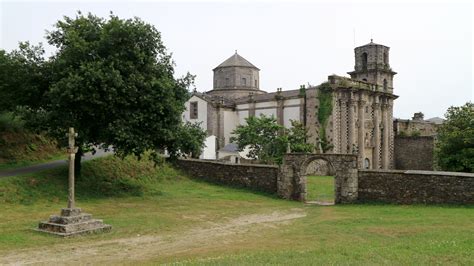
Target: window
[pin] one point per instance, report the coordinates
(366, 163)
(385, 58)
(384, 84)
(364, 61)
(256, 84)
(193, 110)
(227, 81)
(244, 82)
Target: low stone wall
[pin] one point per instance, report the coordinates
(254, 176)
(407, 187)
(414, 153)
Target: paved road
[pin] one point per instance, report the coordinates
(49, 165)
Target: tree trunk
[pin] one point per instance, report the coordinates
(77, 163)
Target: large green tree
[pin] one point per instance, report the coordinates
(24, 77)
(113, 80)
(455, 143)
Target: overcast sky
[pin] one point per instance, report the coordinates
(293, 43)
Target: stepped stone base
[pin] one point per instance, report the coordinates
(72, 222)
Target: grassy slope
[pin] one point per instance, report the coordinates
(168, 203)
(18, 147)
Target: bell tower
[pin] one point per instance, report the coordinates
(372, 66)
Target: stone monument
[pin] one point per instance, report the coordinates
(72, 221)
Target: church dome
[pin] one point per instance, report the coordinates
(236, 61)
(236, 77)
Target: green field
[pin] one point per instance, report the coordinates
(161, 216)
(320, 188)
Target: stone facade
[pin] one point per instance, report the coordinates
(362, 106)
(410, 187)
(252, 176)
(417, 126)
(414, 153)
(372, 65)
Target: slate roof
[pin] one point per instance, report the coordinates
(231, 147)
(236, 61)
(372, 43)
(213, 98)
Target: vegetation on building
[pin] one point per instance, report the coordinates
(325, 98)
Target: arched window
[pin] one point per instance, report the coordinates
(366, 163)
(385, 58)
(385, 84)
(364, 61)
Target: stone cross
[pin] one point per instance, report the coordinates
(72, 155)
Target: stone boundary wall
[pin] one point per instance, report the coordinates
(408, 187)
(414, 153)
(254, 176)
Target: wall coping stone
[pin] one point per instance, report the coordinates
(414, 137)
(421, 172)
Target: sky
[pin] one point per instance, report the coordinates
(293, 43)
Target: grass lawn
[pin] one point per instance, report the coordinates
(320, 188)
(161, 216)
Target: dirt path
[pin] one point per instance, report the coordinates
(140, 248)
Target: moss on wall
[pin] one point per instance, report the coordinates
(324, 112)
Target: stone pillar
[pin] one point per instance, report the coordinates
(279, 100)
(343, 120)
(72, 221)
(361, 133)
(375, 152)
(352, 129)
(220, 125)
(385, 137)
(251, 105)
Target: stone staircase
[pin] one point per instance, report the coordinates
(73, 222)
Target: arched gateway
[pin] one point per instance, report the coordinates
(296, 166)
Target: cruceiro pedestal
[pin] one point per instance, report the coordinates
(72, 221)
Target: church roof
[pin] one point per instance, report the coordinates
(436, 120)
(236, 61)
(231, 147)
(372, 43)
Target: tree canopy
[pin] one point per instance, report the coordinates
(267, 141)
(455, 143)
(24, 77)
(113, 80)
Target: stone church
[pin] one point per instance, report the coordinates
(361, 107)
